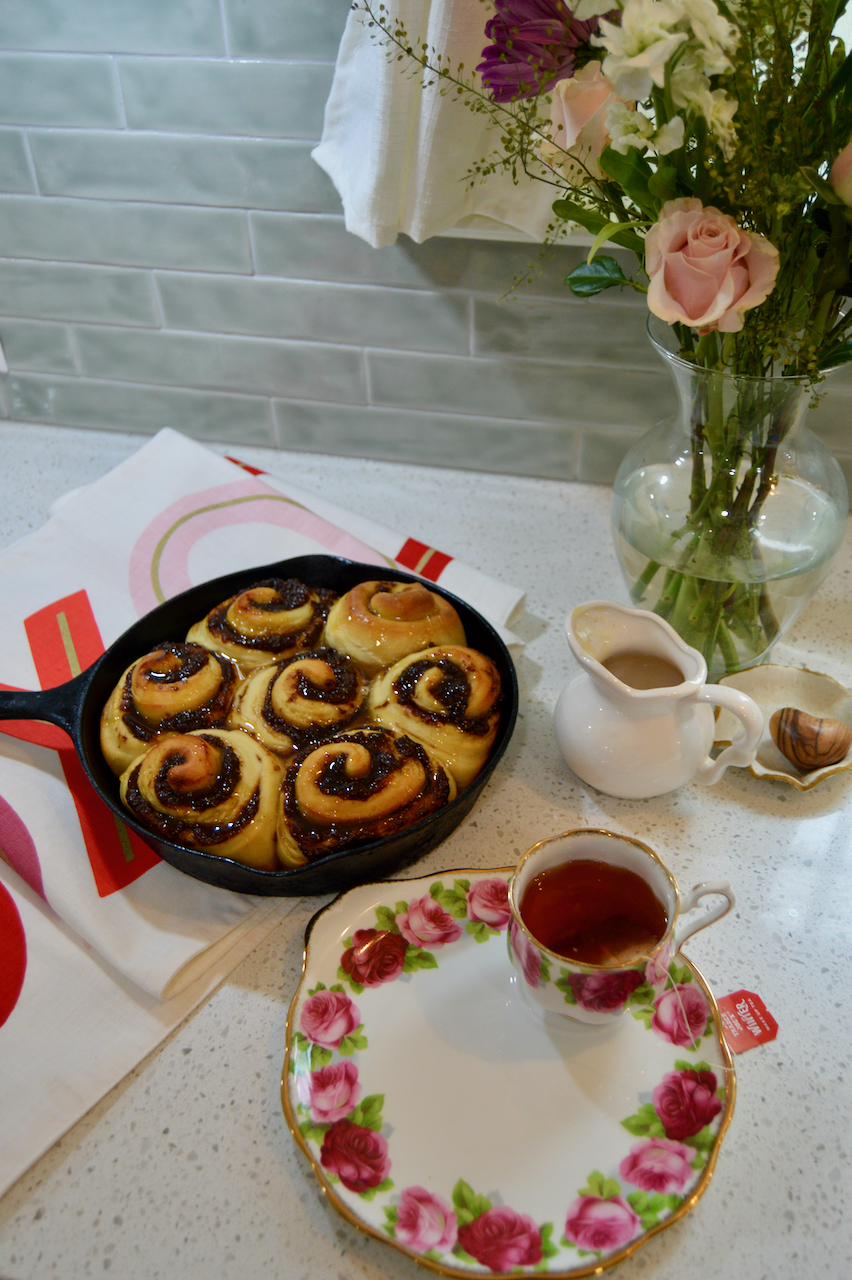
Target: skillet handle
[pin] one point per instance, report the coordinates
(60, 705)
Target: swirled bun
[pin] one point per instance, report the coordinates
(355, 788)
(176, 687)
(377, 623)
(448, 698)
(299, 701)
(213, 790)
(273, 619)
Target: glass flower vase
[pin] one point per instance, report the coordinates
(726, 517)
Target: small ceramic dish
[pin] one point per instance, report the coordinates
(773, 687)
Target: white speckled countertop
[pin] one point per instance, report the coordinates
(187, 1167)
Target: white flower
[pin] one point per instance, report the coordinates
(638, 50)
(713, 34)
(628, 128)
(655, 33)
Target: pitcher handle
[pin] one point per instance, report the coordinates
(743, 749)
(690, 900)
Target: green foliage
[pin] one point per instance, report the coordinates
(467, 1204)
(453, 901)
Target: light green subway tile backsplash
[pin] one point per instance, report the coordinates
(58, 89)
(322, 312)
(199, 95)
(519, 389)
(113, 26)
(15, 174)
(444, 440)
(115, 406)
(241, 172)
(60, 291)
(142, 235)
(285, 28)
(170, 254)
(37, 347)
(297, 369)
(319, 247)
(562, 329)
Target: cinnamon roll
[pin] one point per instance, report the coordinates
(377, 623)
(447, 698)
(174, 688)
(273, 619)
(357, 787)
(299, 701)
(211, 790)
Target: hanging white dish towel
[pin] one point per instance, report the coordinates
(103, 947)
(398, 153)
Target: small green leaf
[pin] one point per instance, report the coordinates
(591, 278)
(319, 987)
(467, 1203)
(417, 959)
(819, 184)
(480, 931)
(664, 184)
(313, 1132)
(368, 1113)
(320, 1057)
(356, 986)
(595, 1185)
(386, 918)
(372, 1192)
(645, 1123)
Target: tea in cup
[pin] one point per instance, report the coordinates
(596, 922)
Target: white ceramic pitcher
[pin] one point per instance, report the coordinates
(639, 742)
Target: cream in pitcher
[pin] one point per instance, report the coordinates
(638, 720)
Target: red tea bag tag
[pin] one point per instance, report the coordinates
(746, 1021)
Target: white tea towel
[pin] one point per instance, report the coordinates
(399, 153)
(104, 948)
(70, 1027)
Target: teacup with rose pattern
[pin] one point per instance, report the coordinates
(596, 992)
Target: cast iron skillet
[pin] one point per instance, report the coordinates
(76, 707)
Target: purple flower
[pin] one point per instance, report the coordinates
(535, 44)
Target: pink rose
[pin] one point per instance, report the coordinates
(658, 1164)
(596, 1224)
(357, 1155)
(605, 992)
(427, 924)
(703, 269)
(502, 1239)
(331, 1092)
(680, 1015)
(376, 956)
(686, 1101)
(657, 968)
(488, 901)
(425, 1221)
(527, 955)
(578, 114)
(328, 1017)
(840, 175)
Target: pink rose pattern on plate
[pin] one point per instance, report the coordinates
(673, 1132)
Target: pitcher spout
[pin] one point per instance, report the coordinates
(632, 648)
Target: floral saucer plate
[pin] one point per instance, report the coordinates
(446, 1114)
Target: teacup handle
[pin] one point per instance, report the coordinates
(743, 749)
(692, 899)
